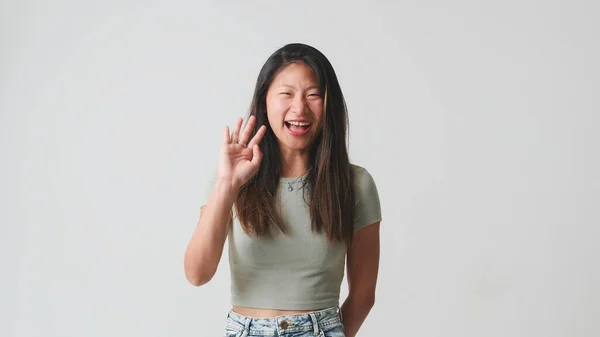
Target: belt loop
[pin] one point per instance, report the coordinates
(246, 327)
(315, 322)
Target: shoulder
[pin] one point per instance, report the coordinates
(367, 204)
(363, 179)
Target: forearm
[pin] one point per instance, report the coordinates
(205, 249)
(354, 312)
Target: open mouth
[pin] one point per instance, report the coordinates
(297, 128)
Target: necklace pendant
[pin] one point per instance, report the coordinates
(290, 188)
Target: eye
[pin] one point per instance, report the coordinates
(285, 93)
(314, 95)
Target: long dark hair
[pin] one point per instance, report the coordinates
(329, 180)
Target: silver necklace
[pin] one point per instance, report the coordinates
(290, 187)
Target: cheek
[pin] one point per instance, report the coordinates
(275, 118)
(317, 110)
(275, 111)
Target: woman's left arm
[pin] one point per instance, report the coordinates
(362, 268)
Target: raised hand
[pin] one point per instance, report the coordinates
(240, 159)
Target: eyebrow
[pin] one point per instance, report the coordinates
(292, 87)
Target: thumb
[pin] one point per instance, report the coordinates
(256, 155)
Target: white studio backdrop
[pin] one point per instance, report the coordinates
(478, 121)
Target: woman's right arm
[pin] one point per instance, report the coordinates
(238, 162)
(205, 249)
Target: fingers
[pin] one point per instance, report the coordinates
(243, 139)
(256, 155)
(236, 130)
(258, 136)
(226, 137)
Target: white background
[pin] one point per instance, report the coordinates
(478, 120)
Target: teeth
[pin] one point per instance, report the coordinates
(299, 123)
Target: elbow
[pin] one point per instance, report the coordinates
(370, 301)
(197, 274)
(197, 280)
(367, 301)
(198, 277)
(364, 300)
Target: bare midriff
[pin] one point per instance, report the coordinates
(266, 313)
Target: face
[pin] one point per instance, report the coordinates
(295, 106)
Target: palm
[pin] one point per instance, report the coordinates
(238, 161)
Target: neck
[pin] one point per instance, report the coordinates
(294, 163)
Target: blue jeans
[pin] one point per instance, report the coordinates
(322, 323)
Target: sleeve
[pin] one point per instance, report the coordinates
(368, 207)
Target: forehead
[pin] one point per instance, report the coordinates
(298, 73)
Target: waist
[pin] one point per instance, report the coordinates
(267, 313)
(287, 323)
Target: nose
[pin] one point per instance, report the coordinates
(299, 105)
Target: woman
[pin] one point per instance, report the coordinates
(292, 207)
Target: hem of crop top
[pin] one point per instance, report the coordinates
(274, 304)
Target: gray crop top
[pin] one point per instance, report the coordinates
(301, 270)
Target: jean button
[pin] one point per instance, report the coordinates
(284, 324)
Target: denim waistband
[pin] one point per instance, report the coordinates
(310, 321)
